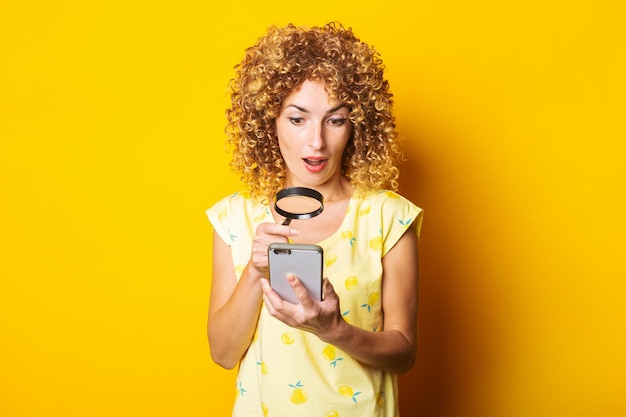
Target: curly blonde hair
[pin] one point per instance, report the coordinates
(277, 65)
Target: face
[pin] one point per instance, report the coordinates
(312, 133)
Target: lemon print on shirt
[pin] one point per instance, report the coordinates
(222, 214)
(364, 211)
(372, 299)
(260, 216)
(245, 194)
(298, 395)
(348, 392)
(263, 366)
(405, 222)
(330, 354)
(376, 243)
(332, 414)
(330, 260)
(345, 316)
(240, 389)
(347, 235)
(287, 338)
(264, 408)
(351, 283)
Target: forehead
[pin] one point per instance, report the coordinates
(313, 92)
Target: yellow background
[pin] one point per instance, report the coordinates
(111, 147)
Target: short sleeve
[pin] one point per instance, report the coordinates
(218, 215)
(398, 214)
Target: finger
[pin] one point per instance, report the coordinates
(276, 229)
(268, 304)
(328, 289)
(269, 292)
(275, 305)
(260, 260)
(267, 297)
(301, 292)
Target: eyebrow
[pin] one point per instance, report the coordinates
(334, 109)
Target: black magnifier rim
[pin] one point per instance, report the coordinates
(299, 192)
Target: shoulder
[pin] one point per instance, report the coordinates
(238, 199)
(236, 215)
(236, 204)
(389, 201)
(395, 211)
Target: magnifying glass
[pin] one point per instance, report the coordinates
(298, 203)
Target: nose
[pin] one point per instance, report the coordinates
(318, 142)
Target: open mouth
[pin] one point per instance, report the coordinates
(314, 165)
(315, 162)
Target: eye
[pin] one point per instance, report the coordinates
(296, 120)
(337, 121)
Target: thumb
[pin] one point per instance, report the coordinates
(328, 289)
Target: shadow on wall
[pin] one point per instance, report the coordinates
(451, 353)
(423, 389)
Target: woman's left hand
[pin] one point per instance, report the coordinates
(322, 318)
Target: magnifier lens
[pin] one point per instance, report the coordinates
(298, 203)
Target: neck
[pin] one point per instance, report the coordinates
(337, 190)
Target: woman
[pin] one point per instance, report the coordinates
(311, 108)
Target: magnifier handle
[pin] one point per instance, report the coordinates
(286, 221)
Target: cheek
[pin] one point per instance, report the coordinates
(286, 149)
(283, 135)
(287, 142)
(342, 143)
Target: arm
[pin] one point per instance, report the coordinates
(235, 304)
(394, 349)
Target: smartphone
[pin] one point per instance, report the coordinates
(302, 260)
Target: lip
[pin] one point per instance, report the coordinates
(314, 164)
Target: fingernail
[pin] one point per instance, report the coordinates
(294, 232)
(291, 278)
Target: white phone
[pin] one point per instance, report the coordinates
(302, 260)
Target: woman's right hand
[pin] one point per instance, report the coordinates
(267, 233)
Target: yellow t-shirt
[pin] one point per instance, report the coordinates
(289, 372)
